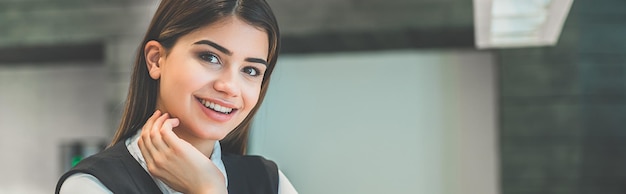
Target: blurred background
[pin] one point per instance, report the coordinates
(369, 96)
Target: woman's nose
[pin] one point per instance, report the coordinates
(226, 83)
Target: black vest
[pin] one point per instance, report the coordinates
(121, 173)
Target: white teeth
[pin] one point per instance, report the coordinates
(216, 107)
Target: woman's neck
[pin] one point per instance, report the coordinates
(203, 145)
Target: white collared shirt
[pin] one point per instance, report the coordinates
(86, 183)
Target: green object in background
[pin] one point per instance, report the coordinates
(75, 160)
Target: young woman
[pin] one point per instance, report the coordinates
(201, 74)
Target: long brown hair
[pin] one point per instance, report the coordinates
(176, 18)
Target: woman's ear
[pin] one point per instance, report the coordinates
(154, 52)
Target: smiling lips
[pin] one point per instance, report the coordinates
(216, 107)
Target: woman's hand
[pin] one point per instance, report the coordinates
(176, 162)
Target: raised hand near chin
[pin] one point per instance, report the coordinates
(176, 162)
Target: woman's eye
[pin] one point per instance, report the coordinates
(209, 57)
(251, 71)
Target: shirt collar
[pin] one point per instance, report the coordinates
(133, 148)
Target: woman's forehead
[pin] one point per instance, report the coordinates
(232, 34)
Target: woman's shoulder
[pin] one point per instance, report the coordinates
(251, 164)
(254, 164)
(247, 158)
(114, 168)
(240, 169)
(83, 183)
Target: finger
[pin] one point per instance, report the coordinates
(145, 130)
(147, 157)
(152, 118)
(155, 133)
(144, 142)
(171, 139)
(167, 128)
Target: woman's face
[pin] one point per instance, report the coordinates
(211, 78)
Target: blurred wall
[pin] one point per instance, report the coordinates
(48, 105)
(43, 108)
(563, 108)
(408, 121)
(117, 25)
(435, 134)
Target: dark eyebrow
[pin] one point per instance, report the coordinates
(216, 46)
(228, 52)
(256, 60)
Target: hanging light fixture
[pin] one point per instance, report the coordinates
(519, 23)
